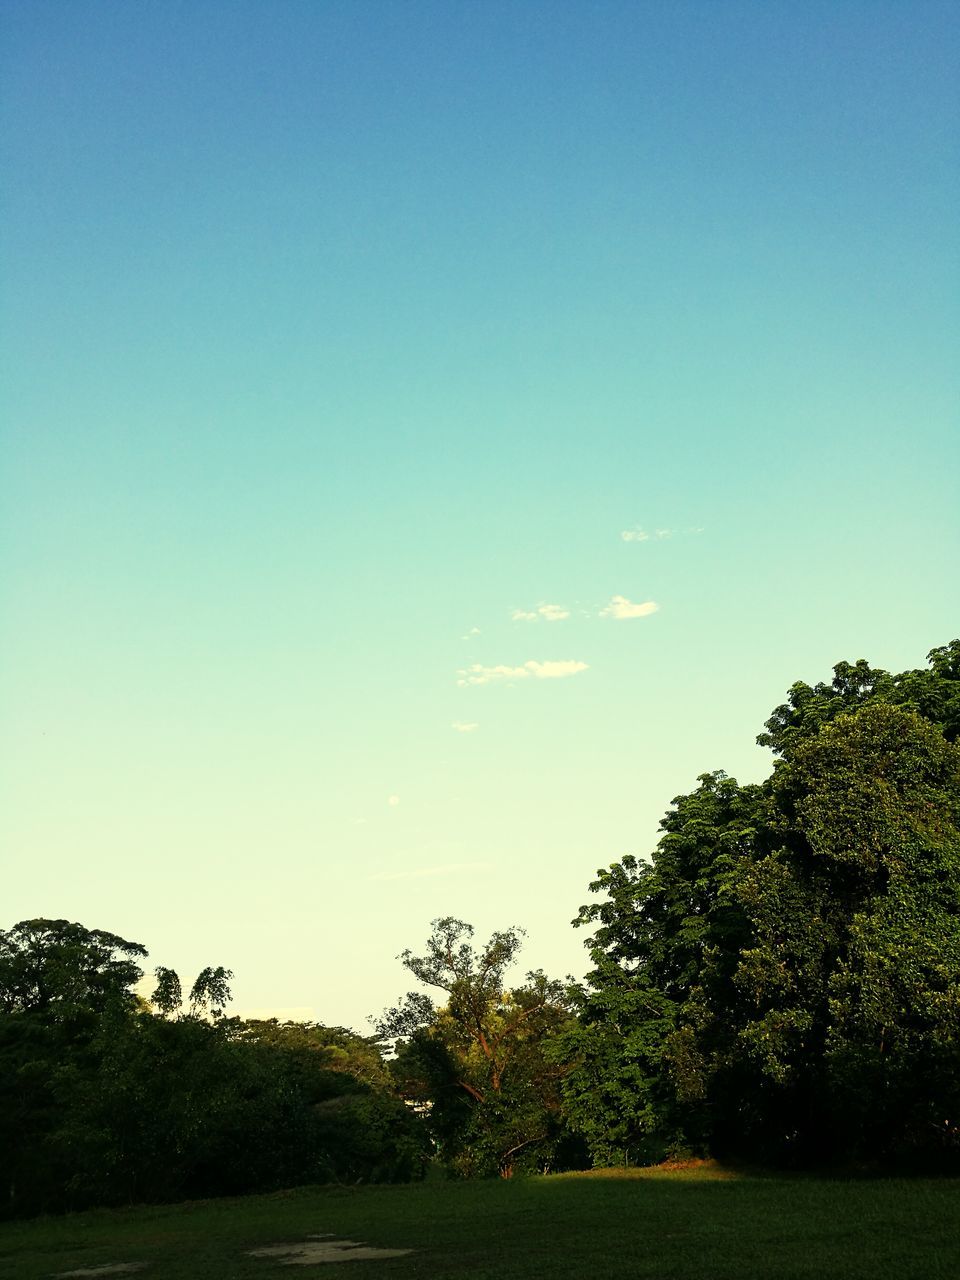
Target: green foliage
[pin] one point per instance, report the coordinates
(59, 971)
(210, 992)
(167, 996)
(479, 1067)
(933, 693)
(59, 982)
(666, 937)
(103, 1102)
(779, 981)
(319, 1048)
(855, 920)
(877, 802)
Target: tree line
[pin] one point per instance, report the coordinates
(106, 1098)
(778, 982)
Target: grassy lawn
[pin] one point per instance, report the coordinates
(696, 1224)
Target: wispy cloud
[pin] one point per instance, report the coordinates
(393, 801)
(465, 728)
(479, 674)
(548, 612)
(622, 608)
(420, 873)
(555, 670)
(636, 534)
(474, 631)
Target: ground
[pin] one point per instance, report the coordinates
(695, 1223)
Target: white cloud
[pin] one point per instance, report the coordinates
(393, 801)
(621, 607)
(464, 728)
(474, 631)
(419, 873)
(554, 670)
(639, 534)
(478, 674)
(548, 612)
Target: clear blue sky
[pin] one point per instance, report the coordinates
(336, 337)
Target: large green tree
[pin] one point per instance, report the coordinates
(59, 984)
(57, 971)
(105, 1100)
(478, 1064)
(779, 980)
(665, 931)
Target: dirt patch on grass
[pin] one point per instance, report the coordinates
(319, 1249)
(694, 1170)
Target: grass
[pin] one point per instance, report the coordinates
(694, 1223)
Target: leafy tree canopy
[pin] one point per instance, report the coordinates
(57, 968)
(933, 693)
(779, 979)
(104, 1101)
(478, 1064)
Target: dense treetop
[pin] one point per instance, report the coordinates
(779, 980)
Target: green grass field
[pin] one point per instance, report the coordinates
(693, 1224)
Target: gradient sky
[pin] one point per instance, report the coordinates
(337, 337)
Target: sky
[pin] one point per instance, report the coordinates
(432, 434)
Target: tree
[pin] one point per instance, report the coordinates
(934, 694)
(478, 1065)
(667, 930)
(779, 980)
(103, 1101)
(57, 970)
(192, 1107)
(168, 994)
(58, 983)
(871, 965)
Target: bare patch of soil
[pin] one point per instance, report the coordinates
(318, 1249)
